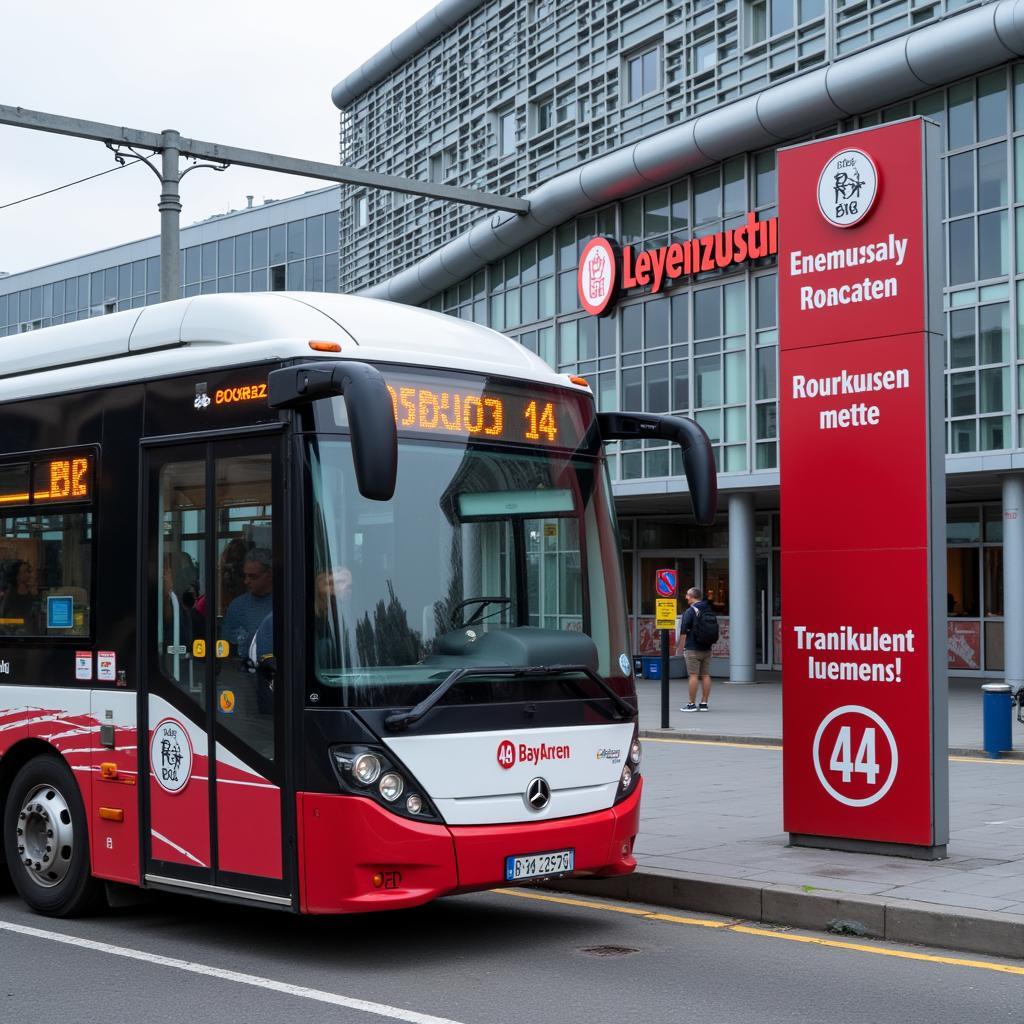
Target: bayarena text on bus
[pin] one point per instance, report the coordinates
(312, 602)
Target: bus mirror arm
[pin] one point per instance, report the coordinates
(698, 455)
(371, 414)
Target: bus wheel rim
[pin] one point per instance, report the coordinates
(45, 836)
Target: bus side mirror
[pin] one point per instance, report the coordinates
(698, 455)
(371, 415)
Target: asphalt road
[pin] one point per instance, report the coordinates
(495, 957)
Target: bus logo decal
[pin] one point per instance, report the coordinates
(506, 753)
(202, 399)
(170, 756)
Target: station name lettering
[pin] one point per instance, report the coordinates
(857, 414)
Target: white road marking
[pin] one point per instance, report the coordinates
(364, 1005)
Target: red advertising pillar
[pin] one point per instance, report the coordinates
(863, 492)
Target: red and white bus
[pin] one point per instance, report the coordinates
(310, 601)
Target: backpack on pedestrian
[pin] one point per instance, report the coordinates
(705, 629)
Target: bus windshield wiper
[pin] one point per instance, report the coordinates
(401, 719)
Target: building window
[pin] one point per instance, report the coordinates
(506, 126)
(766, 18)
(543, 114)
(361, 212)
(704, 55)
(442, 164)
(642, 74)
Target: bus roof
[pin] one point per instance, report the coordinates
(210, 331)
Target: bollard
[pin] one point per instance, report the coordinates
(997, 716)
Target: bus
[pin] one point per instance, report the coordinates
(311, 602)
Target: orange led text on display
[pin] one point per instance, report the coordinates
(455, 412)
(67, 480)
(244, 393)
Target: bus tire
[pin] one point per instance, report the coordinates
(46, 840)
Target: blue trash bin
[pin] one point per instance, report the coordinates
(652, 667)
(997, 717)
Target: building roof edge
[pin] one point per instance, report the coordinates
(958, 46)
(442, 18)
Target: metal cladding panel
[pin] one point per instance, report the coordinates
(668, 154)
(433, 275)
(794, 107)
(730, 130)
(938, 57)
(872, 79)
(1009, 24)
(485, 243)
(550, 203)
(611, 177)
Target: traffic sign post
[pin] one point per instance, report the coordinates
(861, 342)
(666, 586)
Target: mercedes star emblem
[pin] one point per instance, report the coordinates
(538, 795)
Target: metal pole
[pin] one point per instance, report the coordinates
(664, 679)
(1013, 578)
(742, 606)
(170, 215)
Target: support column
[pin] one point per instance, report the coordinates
(1013, 577)
(742, 589)
(170, 215)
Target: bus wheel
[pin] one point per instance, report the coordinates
(46, 842)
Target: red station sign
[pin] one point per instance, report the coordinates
(862, 491)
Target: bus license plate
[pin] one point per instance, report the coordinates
(537, 865)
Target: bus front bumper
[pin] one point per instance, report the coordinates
(355, 856)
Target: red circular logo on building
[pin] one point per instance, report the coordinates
(506, 753)
(597, 280)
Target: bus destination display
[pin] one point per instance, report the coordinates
(68, 478)
(489, 412)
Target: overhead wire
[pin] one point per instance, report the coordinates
(50, 191)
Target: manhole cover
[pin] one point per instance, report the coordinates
(609, 950)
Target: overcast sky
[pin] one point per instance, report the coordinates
(257, 75)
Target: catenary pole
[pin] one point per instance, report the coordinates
(172, 147)
(170, 216)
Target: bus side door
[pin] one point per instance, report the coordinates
(213, 745)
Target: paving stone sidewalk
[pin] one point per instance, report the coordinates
(712, 820)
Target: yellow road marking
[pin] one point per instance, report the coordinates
(778, 746)
(742, 929)
(614, 908)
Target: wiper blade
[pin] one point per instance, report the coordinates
(401, 719)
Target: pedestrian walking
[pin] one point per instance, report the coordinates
(699, 627)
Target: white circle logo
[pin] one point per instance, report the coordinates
(624, 664)
(170, 755)
(857, 761)
(847, 188)
(595, 279)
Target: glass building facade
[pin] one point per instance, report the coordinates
(707, 346)
(286, 245)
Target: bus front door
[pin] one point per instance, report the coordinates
(213, 750)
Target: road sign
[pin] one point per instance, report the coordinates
(666, 582)
(665, 613)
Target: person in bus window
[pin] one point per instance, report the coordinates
(21, 601)
(331, 596)
(248, 610)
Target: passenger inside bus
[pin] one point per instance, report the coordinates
(247, 611)
(20, 606)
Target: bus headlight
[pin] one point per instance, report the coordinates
(413, 803)
(635, 753)
(391, 786)
(366, 769)
(627, 777)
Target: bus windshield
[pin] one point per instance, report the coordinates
(486, 556)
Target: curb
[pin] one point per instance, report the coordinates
(903, 921)
(775, 741)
